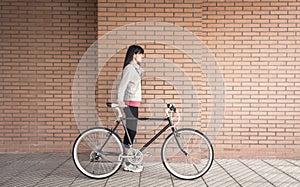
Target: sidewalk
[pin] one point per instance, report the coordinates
(57, 169)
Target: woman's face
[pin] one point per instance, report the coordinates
(138, 57)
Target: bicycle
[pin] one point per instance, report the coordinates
(99, 153)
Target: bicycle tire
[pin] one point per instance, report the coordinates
(93, 162)
(197, 160)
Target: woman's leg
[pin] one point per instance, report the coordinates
(132, 114)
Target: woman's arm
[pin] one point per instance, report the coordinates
(126, 77)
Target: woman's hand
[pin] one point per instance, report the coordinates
(121, 104)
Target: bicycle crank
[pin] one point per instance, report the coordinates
(134, 156)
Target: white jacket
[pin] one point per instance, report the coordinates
(130, 88)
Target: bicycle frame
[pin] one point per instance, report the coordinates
(167, 118)
(170, 124)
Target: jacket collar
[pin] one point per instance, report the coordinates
(138, 68)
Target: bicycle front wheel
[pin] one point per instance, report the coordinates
(187, 154)
(97, 153)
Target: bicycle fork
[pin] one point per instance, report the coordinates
(176, 135)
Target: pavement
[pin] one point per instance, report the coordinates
(57, 169)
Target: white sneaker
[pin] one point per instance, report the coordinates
(133, 168)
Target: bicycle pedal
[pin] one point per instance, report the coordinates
(147, 154)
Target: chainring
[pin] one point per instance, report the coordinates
(135, 156)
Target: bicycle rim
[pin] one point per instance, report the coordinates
(197, 160)
(96, 153)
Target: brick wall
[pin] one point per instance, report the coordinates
(255, 45)
(41, 44)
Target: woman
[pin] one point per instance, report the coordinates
(130, 93)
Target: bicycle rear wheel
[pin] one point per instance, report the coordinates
(97, 153)
(193, 159)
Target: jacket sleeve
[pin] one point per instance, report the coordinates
(126, 77)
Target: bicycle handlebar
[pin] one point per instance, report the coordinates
(170, 107)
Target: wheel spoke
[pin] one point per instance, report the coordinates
(191, 162)
(97, 155)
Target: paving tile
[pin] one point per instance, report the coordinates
(295, 162)
(286, 167)
(259, 166)
(245, 174)
(82, 180)
(280, 184)
(196, 182)
(155, 175)
(31, 169)
(270, 172)
(63, 175)
(257, 184)
(55, 169)
(26, 170)
(125, 178)
(217, 176)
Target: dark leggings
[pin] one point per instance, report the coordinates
(132, 114)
